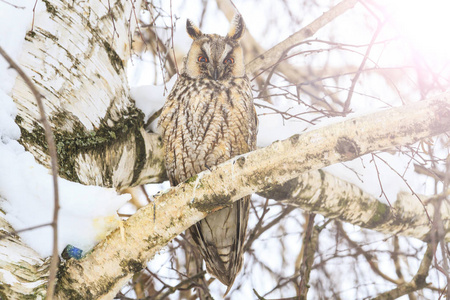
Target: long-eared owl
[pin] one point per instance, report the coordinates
(207, 119)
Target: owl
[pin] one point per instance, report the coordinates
(208, 118)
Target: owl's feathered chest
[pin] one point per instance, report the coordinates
(205, 122)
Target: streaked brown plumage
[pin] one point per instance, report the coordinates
(208, 118)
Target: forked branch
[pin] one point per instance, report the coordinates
(152, 227)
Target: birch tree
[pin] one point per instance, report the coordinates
(77, 55)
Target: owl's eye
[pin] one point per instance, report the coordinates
(228, 60)
(203, 59)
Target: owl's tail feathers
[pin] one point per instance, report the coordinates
(228, 289)
(220, 237)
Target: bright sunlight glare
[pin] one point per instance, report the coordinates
(426, 24)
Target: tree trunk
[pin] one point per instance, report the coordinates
(77, 56)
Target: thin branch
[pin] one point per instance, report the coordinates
(15, 232)
(382, 193)
(181, 285)
(252, 236)
(54, 164)
(258, 230)
(273, 55)
(110, 12)
(417, 283)
(34, 13)
(395, 258)
(361, 67)
(369, 258)
(171, 32)
(15, 6)
(407, 184)
(307, 258)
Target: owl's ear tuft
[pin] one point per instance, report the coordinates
(237, 28)
(193, 31)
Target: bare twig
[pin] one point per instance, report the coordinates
(182, 285)
(369, 258)
(259, 229)
(382, 193)
(273, 55)
(15, 232)
(171, 32)
(54, 166)
(110, 12)
(407, 184)
(15, 6)
(361, 67)
(34, 13)
(418, 282)
(307, 258)
(435, 174)
(136, 19)
(151, 119)
(396, 260)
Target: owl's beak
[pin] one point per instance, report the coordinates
(213, 70)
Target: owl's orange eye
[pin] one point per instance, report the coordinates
(201, 58)
(229, 60)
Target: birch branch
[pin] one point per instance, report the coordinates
(23, 273)
(325, 194)
(112, 262)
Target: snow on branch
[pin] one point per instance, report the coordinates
(112, 262)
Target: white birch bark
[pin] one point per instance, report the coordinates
(77, 55)
(23, 273)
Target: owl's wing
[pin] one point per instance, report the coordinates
(221, 237)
